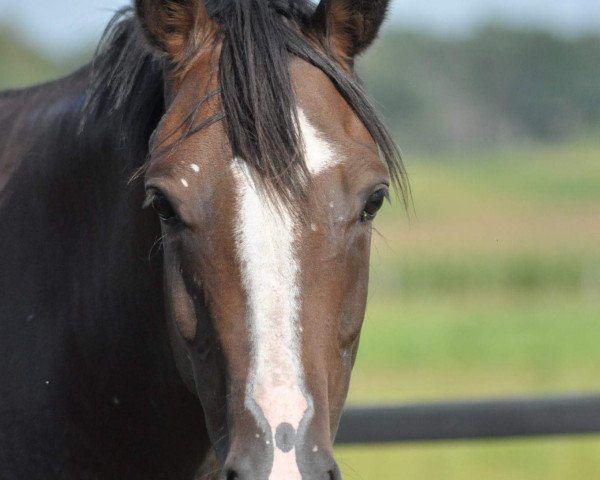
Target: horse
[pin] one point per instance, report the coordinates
(184, 251)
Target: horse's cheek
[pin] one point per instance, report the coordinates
(183, 310)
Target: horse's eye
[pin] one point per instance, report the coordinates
(162, 206)
(373, 205)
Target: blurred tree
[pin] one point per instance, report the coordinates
(496, 87)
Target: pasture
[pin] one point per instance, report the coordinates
(491, 289)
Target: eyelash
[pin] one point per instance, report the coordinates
(162, 206)
(373, 205)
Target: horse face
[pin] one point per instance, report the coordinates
(266, 294)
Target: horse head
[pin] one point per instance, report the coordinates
(267, 171)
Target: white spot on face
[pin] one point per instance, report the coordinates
(195, 167)
(269, 268)
(266, 238)
(257, 435)
(185, 183)
(313, 227)
(319, 154)
(285, 466)
(315, 449)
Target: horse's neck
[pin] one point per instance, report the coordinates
(81, 304)
(76, 242)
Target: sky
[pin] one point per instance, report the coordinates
(64, 26)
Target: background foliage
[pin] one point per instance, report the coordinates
(496, 87)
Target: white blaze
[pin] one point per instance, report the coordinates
(319, 154)
(266, 237)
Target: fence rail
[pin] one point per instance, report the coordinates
(471, 420)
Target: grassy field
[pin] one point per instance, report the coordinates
(492, 288)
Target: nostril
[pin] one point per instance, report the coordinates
(238, 470)
(232, 475)
(334, 474)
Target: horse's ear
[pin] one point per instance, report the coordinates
(349, 26)
(175, 28)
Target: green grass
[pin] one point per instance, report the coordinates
(492, 289)
(529, 271)
(563, 459)
(478, 345)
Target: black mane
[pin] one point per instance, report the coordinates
(258, 37)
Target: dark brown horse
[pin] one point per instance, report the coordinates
(265, 165)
